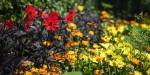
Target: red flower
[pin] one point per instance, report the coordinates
(9, 23)
(51, 22)
(71, 15)
(31, 15)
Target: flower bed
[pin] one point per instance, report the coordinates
(91, 43)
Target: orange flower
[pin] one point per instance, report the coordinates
(42, 71)
(58, 56)
(98, 58)
(28, 73)
(135, 61)
(104, 15)
(69, 44)
(97, 72)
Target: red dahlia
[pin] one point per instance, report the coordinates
(31, 15)
(71, 15)
(51, 22)
(9, 23)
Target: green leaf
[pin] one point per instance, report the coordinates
(73, 73)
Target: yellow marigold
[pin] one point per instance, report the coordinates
(33, 69)
(44, 66)
(137, 73)
(96, 46)
(135, 61)
(148, 71)
(42, 71)
(28, 73)
(77, 33)
(58, 37)
(91, 32)
(119, 63)
(85, 42)
(80, 8)
(106, 38)
(112, 30)
(71, 56)
(148, 56)
(72, 26)
(76, 43)
(120, 28)
(83, 57)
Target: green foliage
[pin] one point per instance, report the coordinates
(138, 37)
(72, 73)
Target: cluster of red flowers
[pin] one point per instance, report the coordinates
(31, 15)
(70, 16)
(9, 23)
(51, 21)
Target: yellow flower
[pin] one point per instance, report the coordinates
(137, 73)
(106, 38)
(33, 69)
(71, 56)
(58, 37)
(119, 63)
(120, 28)
(148, 71)
(144, 26)
(148, 56)
(72, 26)
(80, 8)
(112, 30)
(85, 42)
(44, 66)
(96, 46)
(105, 45)
(83, 57)
(77, 33)
(28, 73)
(76, 43)
(91, 32)
(109, 52)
